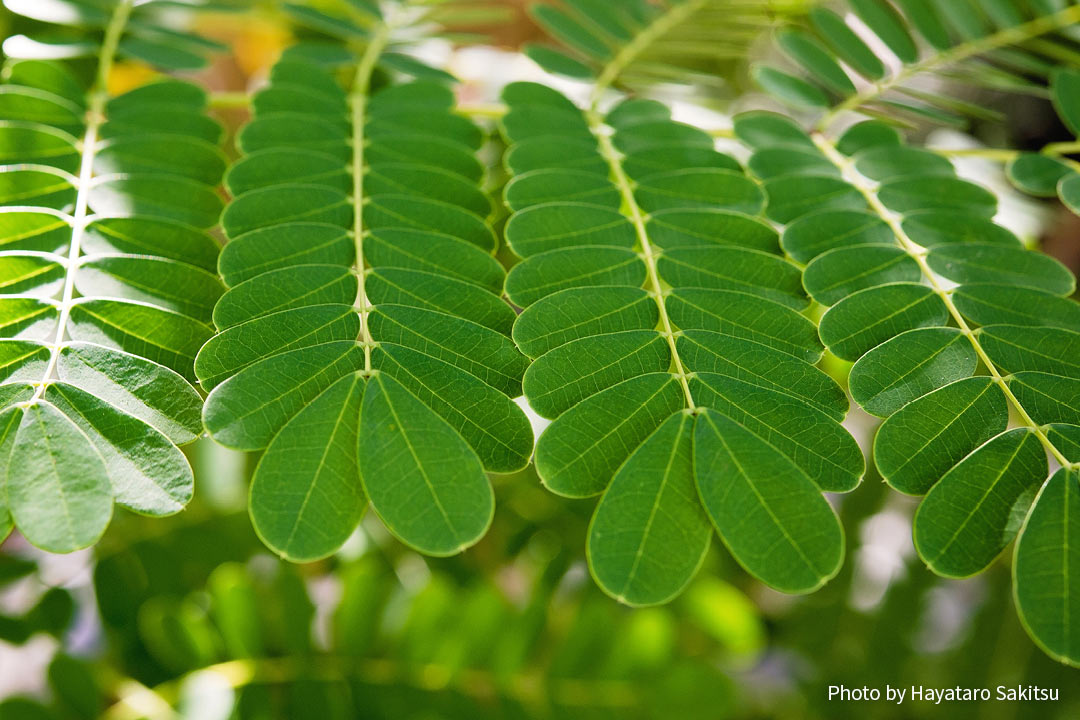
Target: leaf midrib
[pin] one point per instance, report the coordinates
(964, 51)
(95, 118)
(358, 99)
(869, 191)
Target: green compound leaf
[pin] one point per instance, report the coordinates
(108, 282)
(363, 342)
(1000, 45)
(641, 252)
(954, 329)
(639, 44)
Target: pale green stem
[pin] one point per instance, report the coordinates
(1003, 38)
(869, 190)
(1063, 148)
(648, 254)
(1007, 156)
(494, 111)
(664, 24)
(229, 100)
(358, 97)
(95, 117)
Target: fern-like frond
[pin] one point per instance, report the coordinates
(1006, 45)
(636, 43)
(108, 286)
(669, 350)
(363, 342)
(953, 328)
(145, 36)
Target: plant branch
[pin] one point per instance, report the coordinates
(869, 190)
(358, 96)
(1003, 38)
(648, 255)
(95, 117)
(664, 24)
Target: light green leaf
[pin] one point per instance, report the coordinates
(909, 366)
(938, 193)
(808, 52)
(923, 440)
(975, 511)
(701, 227)
(1016, 348)
(164, 196)
(1047, 398)
(1069, 191)
(581, 312)
(793, 196)
(745, 316)
(832, 276)
(563, 377)
(810, 439)
(984, 263)
(791, 89)
(818, 232)
(699, 187)
(897, 161)
(645, 553)
(57, 483)
(768, 513)
(307, 520)
(139, 387)
(730, 268)
(439, 501)
(846, 43)
(1038, 174)
(248, 409)
(935, 228)
(553, 271)
(103, 260)
(148, 474)
(888, 25)
(757, 364)
(868, 318)
(610, 421)
(1010, 305)
(555, 226)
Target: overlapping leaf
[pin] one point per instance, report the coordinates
(668, 41)
(952, 327)
(363, 343)
(145, 36)
(108, 288)
(1009, 45)
(669, 350)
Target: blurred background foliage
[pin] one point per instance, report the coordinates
(191, 617)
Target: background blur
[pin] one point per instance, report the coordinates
(191, 617)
